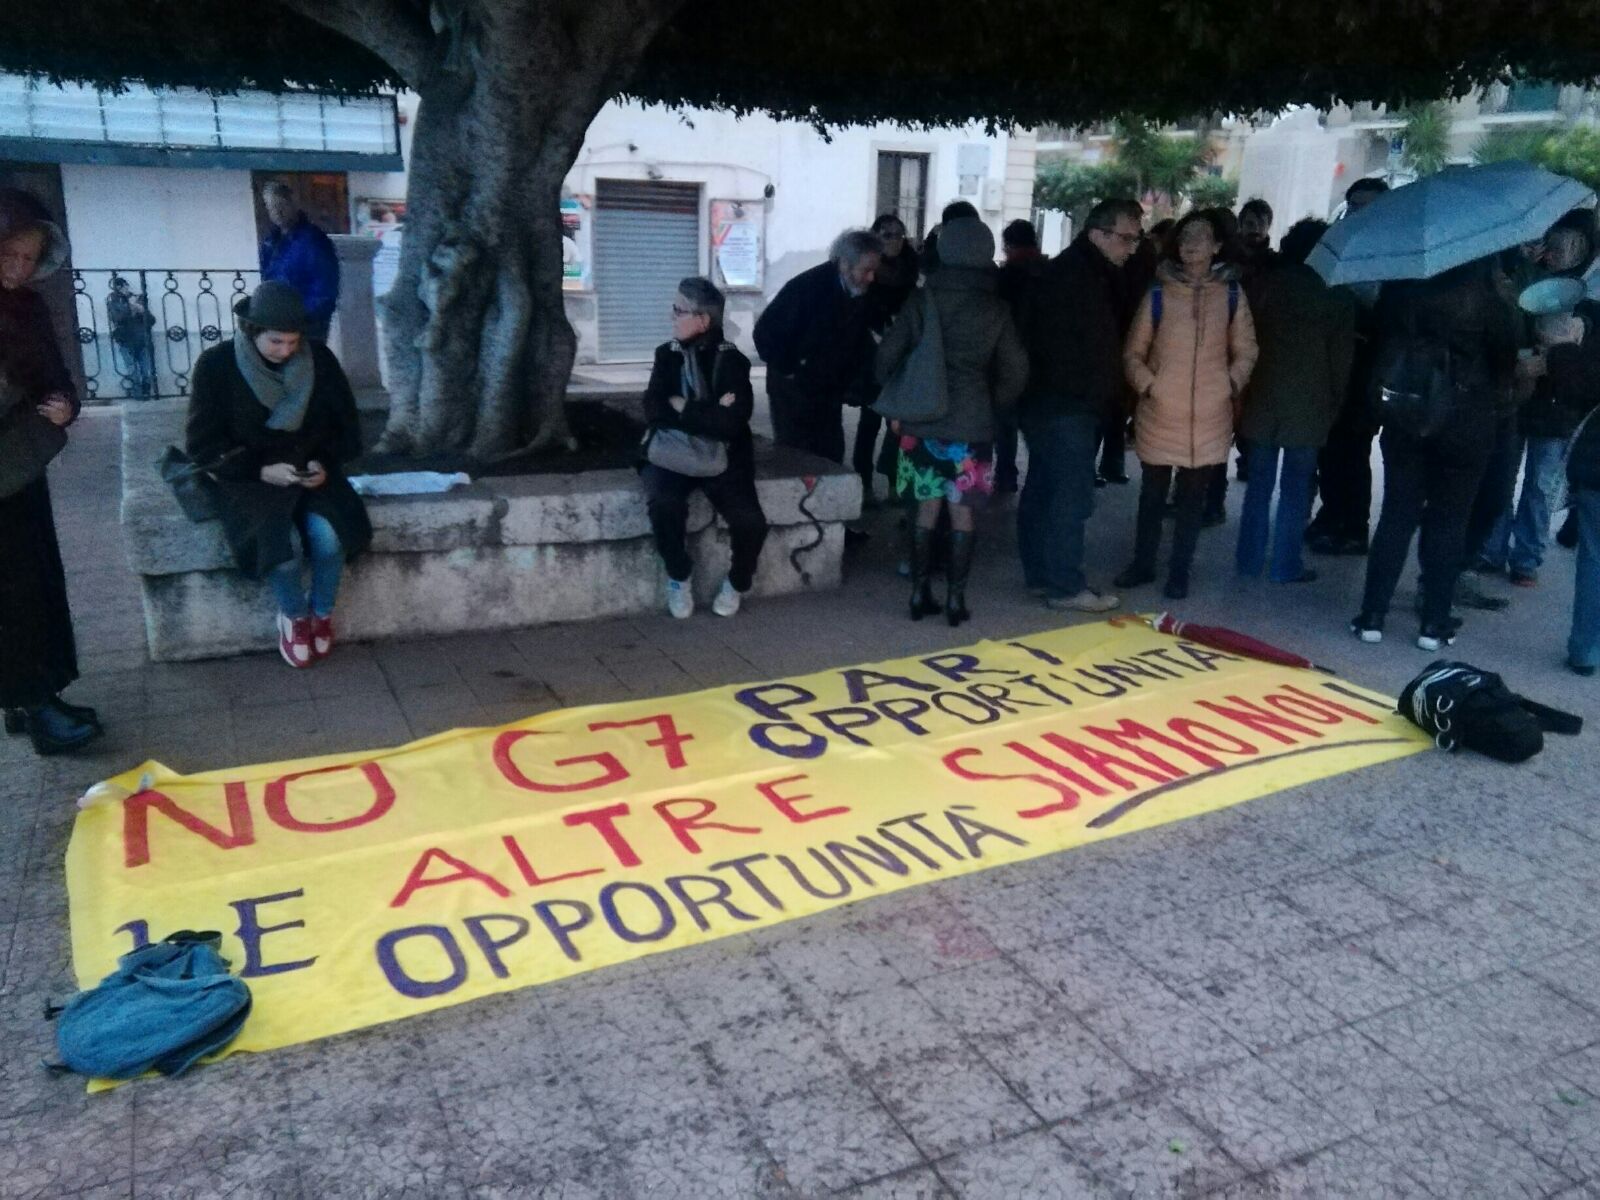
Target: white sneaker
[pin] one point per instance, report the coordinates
(727, 602)
(680, 599)
(1086, 601)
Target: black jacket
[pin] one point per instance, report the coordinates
(39, 657)
(726, 371)
(897, 279)
(1074, 336)
(1463, 311)
(817, 333)
(258, 518)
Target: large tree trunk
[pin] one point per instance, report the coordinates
(479, 347)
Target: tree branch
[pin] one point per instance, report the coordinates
(397, 31)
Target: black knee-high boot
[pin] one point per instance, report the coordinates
(955, 604)
(922, 602)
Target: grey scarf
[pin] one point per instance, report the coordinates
(691, 380)
(286, 392)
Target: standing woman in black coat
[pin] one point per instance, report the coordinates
(39, 657)
(273, 420)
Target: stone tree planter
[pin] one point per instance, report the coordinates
(501, 553)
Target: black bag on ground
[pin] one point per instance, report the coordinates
(1460, 705)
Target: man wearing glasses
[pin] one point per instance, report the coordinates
(1074, 338)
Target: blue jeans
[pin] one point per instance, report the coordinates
(327, 566)
(1294, 510)
(1583, 647)
(1057, 500)
(1519, 538)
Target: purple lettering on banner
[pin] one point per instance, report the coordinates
(561, 930)
(139, 931)
(251, 931)
(608, 909)
(720, 896)
(757, 698)
(904, 709)
(843, 720)
(858, 681)
(972, 832)
(812, 747)
(421, 989)
(492, 946)
(755, 882)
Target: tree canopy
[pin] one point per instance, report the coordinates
(840, 62)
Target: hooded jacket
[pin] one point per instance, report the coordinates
(986, 366)
(1188, 372)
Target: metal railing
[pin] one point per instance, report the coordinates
(140, 341)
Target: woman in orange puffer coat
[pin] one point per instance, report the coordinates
(1188, 358)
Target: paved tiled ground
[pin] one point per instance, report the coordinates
(1385, 984)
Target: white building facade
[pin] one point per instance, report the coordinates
(163, 188)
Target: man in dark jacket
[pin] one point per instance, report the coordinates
(1019, 277)
(1074, 342)
(300, 254)
(816, 342)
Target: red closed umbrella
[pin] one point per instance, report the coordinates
(1231, 641)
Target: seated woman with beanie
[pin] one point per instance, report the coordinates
(275, 413)
(698, 403)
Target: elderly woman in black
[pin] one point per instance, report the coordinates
(273, 419)
(39, 658)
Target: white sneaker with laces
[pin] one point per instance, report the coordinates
(727, 602)
(680, 599)
(1086, 601)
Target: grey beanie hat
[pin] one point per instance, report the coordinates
(966, 242)
(274, 305)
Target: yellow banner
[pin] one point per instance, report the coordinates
(359, 888)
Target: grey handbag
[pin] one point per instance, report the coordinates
(917, 391)
(685, 453)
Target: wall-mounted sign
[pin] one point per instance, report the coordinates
(738, 244)
(575, 243)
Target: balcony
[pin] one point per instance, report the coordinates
(301, 131)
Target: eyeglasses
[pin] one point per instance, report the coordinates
(679, 311)
(1127, 239)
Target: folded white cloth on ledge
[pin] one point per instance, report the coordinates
(408, 483)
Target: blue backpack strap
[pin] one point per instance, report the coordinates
(1233, 299)
(1155, 307)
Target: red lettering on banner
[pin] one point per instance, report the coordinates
(671, 741)
(1220, 740)
(1333, 704)
(532, 877)
(463, 870)
(786, 804)
(1128, 734)
(683, 827)
(136, 822)
(1258, 719)
(1107, 765)
(277, 800)
(612, 771)
(1068, 798)
(605, 821)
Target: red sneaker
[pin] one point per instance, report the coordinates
(294, 640)
(321, 637)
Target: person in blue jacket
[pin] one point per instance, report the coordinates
(298, 253)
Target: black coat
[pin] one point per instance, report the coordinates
(896, 281)
(1074, 336)
(38, 658)
(258, 519)
(726, 370)
(818, 333)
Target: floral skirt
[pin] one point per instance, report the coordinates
(932, 469)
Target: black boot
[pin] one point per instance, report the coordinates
(16, 719)
(922, 602)
(955, 603)
(54, 732)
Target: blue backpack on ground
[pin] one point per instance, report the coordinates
(166, 1005)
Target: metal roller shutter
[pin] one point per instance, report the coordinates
(646, 239)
